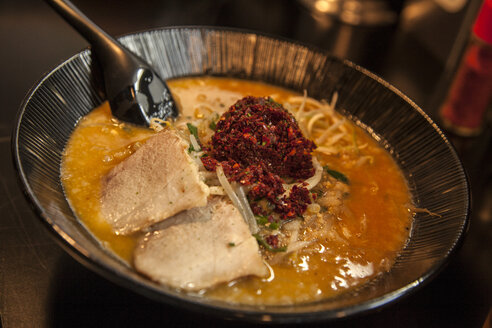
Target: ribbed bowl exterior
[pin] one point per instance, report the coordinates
(430, 164)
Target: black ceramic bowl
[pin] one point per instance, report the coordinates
(430, 164)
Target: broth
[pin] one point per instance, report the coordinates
(362, 236)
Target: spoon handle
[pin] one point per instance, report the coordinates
(108, 51)
(135, 92)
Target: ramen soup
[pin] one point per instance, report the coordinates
(255, 195)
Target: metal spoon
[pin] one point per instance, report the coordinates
(134, 90)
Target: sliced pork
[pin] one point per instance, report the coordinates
(200, 248)
(159, 180)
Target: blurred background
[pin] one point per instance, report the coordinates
(416, 45)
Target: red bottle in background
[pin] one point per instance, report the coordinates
(470, 93)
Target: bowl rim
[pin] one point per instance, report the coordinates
(257, 315)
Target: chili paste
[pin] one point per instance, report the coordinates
(259, 144)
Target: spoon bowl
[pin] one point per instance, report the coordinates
(147, 96)
(135, 92)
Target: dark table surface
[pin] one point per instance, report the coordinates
(42, 286)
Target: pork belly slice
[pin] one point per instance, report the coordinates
(159, 180)
(200, 248)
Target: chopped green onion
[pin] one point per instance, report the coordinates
(269, 248)
(261, 219)
(193, 138)
(213, 122)
(337, 175)
(193, 130)
(231, 244)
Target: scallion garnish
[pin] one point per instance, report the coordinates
(193, 130)
(213, 122)
(337, 175)
(262, 220)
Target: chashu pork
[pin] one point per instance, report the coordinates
(200, 248)
(159, 180)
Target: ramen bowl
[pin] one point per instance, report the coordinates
(434, 172)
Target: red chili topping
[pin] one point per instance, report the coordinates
(258, 143)
(272, 240)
